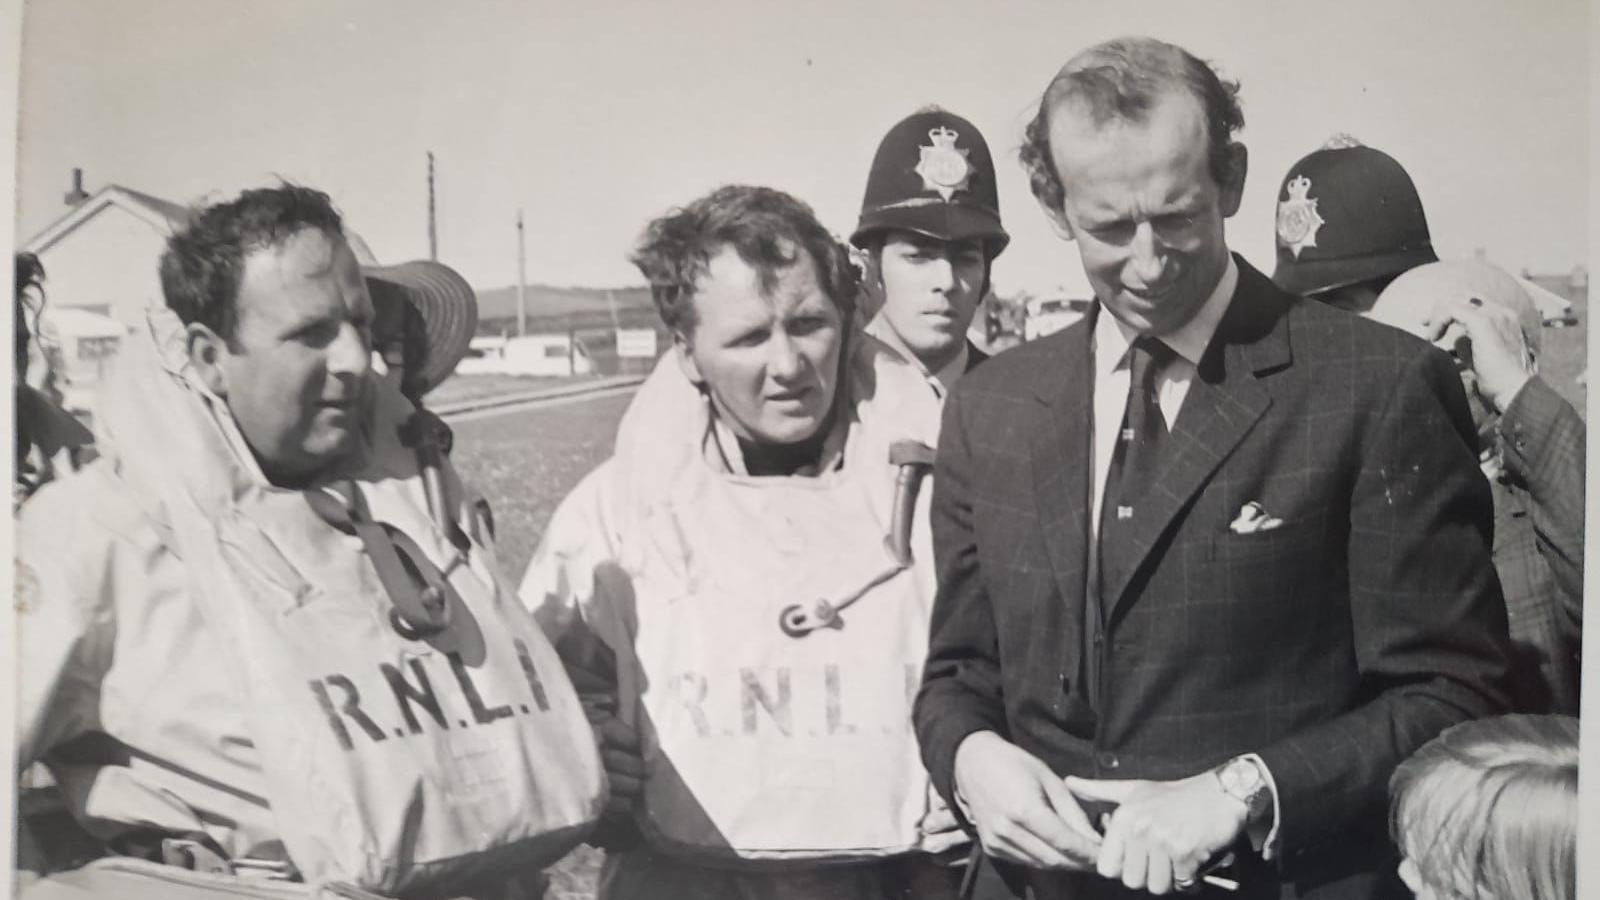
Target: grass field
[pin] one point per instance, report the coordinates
(525, 462)
(1565, 356)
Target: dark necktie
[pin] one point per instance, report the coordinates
(1144, 430)
(1133, 462)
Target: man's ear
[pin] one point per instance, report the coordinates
(691, 369)
(206, 353)
(1057, 214)
(1232, 186)
(871, 295)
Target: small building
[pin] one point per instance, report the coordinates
(101, 261)
(551, 355)
(1047, 315)
(103, 255)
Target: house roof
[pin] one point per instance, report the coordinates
(162, 215)
(174, 213)
(1550, 303)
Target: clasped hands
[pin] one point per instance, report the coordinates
(1156, 839)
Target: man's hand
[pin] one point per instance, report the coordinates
(1022, 811)
(1162, 832)
(940, 831)
(1501, 358)
(624, 764)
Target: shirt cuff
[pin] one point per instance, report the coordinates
(961, 808)
(1263, 833)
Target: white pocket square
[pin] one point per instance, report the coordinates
(1253, 518)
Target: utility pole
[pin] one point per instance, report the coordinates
(433, 230)
(522, 279)
(611, 304)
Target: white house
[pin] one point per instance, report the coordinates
(102, 256)
(101, 262)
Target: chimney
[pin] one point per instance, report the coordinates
(77, 194)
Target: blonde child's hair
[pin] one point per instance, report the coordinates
(1489, 808)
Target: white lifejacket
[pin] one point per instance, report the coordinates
(400, 766)
(768, 642)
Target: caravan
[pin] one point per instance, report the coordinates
(1048, 315)
(552, 355)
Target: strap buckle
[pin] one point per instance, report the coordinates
(420, 592)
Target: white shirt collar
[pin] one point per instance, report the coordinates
(945, 378)
(1188, 341)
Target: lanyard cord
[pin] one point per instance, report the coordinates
(420, 593)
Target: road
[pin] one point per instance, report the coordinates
(474, 406)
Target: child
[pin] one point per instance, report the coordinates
(1490, 809)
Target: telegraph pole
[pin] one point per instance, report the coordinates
(522, 279)
(433, 230)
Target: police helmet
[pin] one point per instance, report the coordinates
(933, 175)
(1348, 213)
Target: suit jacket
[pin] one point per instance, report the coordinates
(1332, 646)
(1538, 545)
(974, 355)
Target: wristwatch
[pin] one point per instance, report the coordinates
(1241, 779)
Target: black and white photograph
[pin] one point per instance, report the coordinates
(900, 450)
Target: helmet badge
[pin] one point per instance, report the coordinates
(943, 166)
(1298, 219)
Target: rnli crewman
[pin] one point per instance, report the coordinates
(264, 637)
(742, 590)
(930, 226)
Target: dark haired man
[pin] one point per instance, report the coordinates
(284, 336)
(930, 223)
(1217, 555)
(217, 611)
(741, 591)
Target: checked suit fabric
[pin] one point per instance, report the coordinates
(1332, 646)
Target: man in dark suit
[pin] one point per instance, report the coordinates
(1217, 555)
(930, 226)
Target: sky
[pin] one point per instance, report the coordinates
(593, 117)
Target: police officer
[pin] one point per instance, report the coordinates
(1351, 232)
(1349, 221)
(930, 225)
